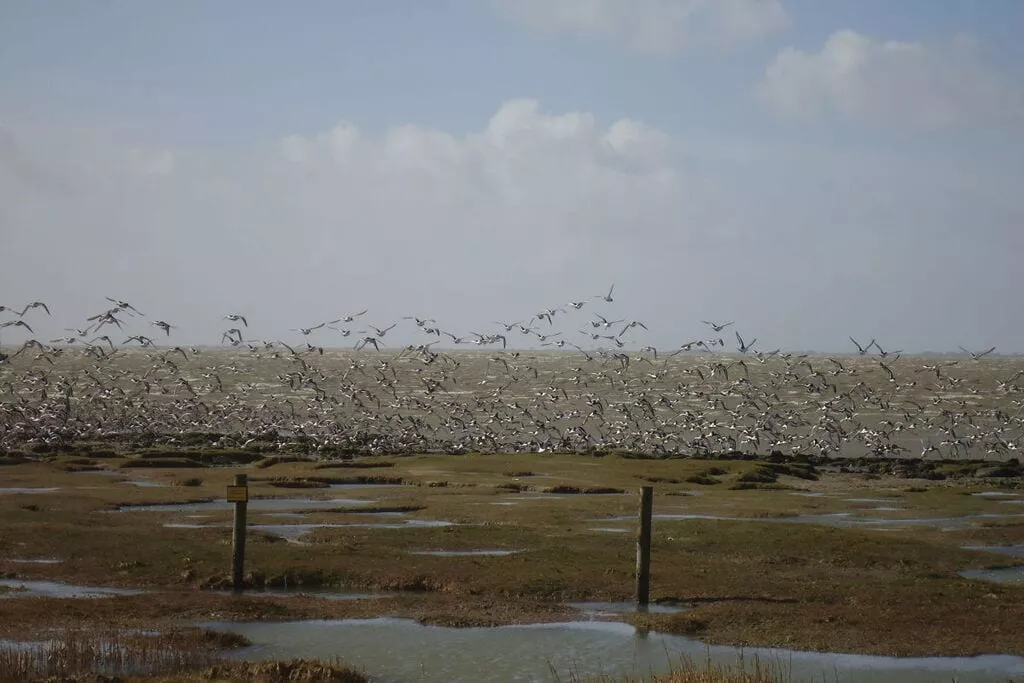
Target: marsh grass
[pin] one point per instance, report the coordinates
(687, 670)
(752, 577)
(141, 658)
(334, 671)
(74, 653)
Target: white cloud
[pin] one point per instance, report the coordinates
(412, 221)
(800, 246)
(855, 77)
(657, 26)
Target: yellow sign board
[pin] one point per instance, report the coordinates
(238, 494)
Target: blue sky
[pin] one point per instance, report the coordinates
(803, 151)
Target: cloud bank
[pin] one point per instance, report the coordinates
(858, 78)
(801, 245)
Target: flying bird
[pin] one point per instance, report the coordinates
(35, 304)
(105, 318)
(863, 350)
(635, 323)
(605, 322)
(367, 340)
(977, 356)
(715, 326)
(883, 353)
(165, 326)
(607, 297)
(349, 318)
(17, 323)
(743, 348)
(306, 331)
(123, 305)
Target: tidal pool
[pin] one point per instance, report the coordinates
(836, 519)
(299, 591)
(465, 553)
(36, 560)
(357, 487)
(601, 609)
(293, 532)
(1013, 575)
(871, 500)
(53, 589)
(1011, 550)
(255, 505)
(400, 650)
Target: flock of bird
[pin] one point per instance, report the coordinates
(582, 391)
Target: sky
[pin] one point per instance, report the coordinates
(811, 171)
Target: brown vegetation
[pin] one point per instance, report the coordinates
(754, 577)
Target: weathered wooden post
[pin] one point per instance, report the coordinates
(239, 495)
(643, 548)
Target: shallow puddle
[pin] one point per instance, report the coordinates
(1011, 550)
(870, 500)
(36, 560)
(675, 517)
(404, 650)
(294, 532)
(1002, 575)
(359, 487)
(298, 591)
(255, 505)
(599, 609)
(465, 553)
(53, 589)
(837, 519)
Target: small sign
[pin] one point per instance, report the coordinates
(238, 494)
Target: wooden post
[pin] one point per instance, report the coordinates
(239, 495)
(643, 548)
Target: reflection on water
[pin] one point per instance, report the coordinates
(400, 650)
